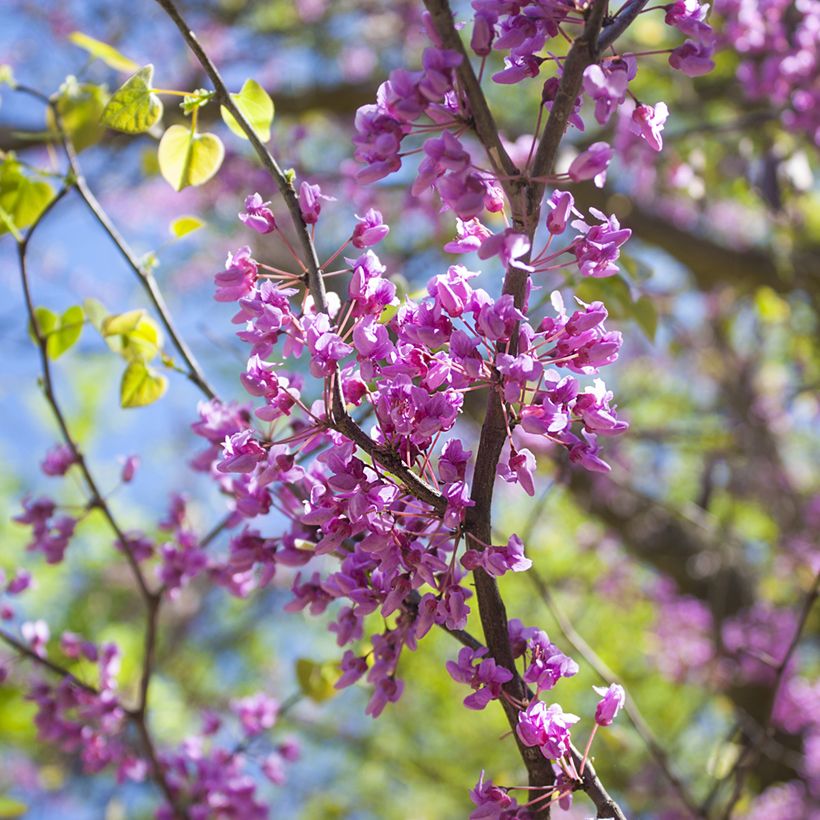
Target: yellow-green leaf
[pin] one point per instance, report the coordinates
(67, 332)
(22, 200)
(144, 341)
(257, 108)
(102, 51)
(47, 321)
(7, 75)
(183, 225)
(188, 158)
(317, 680)
(141, 385)
(121, 324)
(80, 108)
(134, 108)
(9, 807)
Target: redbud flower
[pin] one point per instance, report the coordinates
(471, 234)
(613, 699)
(370, 229)
(546, 727)
(648, 122)
(692, 58)
(592, 164)
(561, 204)
(258, 215)
(129, 468)
(309, 202)
(58, 460)
(238, 278)
(256, 712)
(509, 247)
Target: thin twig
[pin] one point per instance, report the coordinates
(606, 674)
(98, 501)
(752, 751)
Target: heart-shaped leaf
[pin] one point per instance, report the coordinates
(141, 385)
(188, 158)
(22, 200)
(81, 108)
(60, 332)
(47, 321)
(134, 108)
(67, 333)
(257, 108)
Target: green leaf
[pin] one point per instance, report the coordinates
(188, 158)
(121, 324)
(183, 225)
(141, 385)
(7, 76)
(96, 312)
(47, 321)
(22, 200)
(144, 341)
(67, 332)
(257, 108)
(9, 807)
(134, 108)
(81, 108)
(317, 680)
(645, 315)
(102, 51)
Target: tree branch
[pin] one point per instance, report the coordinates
(151, 599)
(338, 417)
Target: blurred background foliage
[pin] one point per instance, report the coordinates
(712, 504)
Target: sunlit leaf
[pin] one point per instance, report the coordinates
(184, 225)
(122, 324)
(134, 108)
(80, 108)
(144, 341)
(47, 321)
(141, 385)
(102, 51)
(317, 680)
(188, 158)
(22, 200)
(6, 75)
(256, 106)
(65, 335)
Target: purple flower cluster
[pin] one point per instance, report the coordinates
(777, 41)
